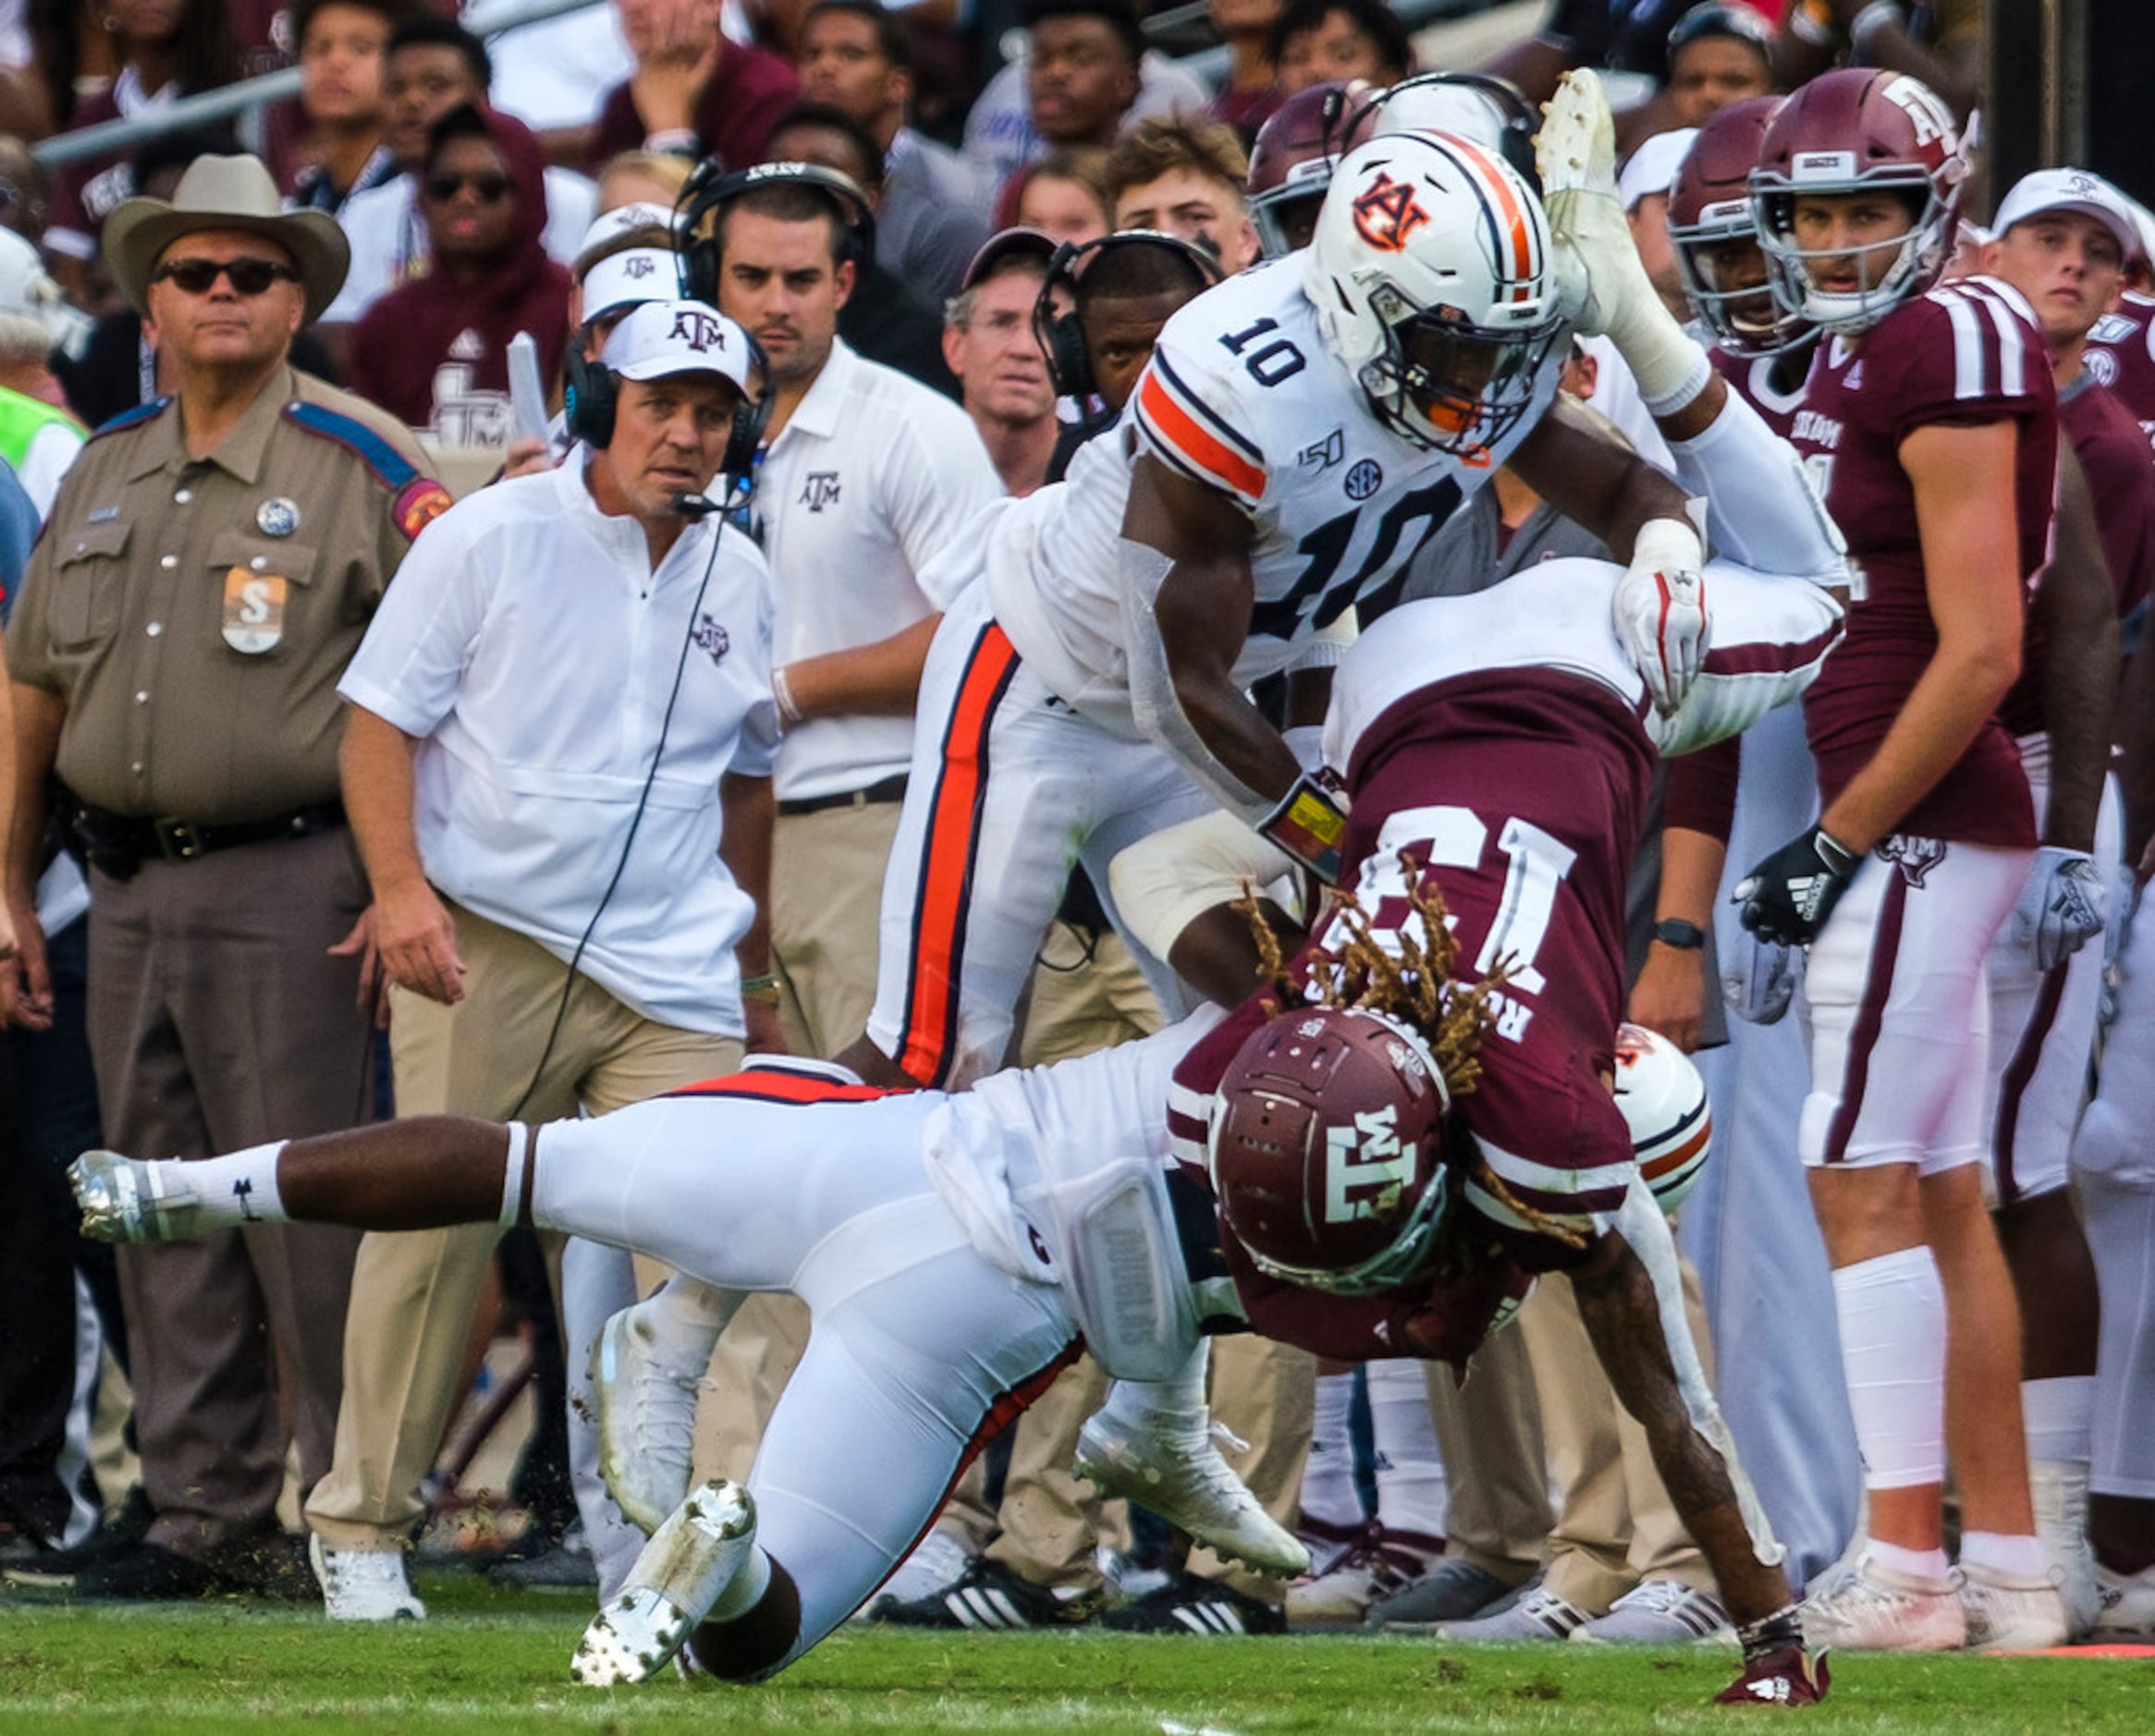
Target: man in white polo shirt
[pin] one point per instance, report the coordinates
(558, 761)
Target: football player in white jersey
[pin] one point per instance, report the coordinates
(953, 1247)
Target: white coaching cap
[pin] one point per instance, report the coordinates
(2071, 190)
(663, 338)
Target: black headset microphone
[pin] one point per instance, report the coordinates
(592, 401)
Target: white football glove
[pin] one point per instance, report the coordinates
(2063, 906)
(1660, 612)
(1759, 978)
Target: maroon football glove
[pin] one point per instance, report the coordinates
(1786, 1676)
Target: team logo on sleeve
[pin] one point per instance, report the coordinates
(1385, 214)
(422, 502)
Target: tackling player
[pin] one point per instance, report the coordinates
(952, 1248)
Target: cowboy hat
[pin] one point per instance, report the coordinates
(225, 193)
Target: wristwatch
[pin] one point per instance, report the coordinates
(1673, 931)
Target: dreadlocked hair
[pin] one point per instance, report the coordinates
(1404, 976)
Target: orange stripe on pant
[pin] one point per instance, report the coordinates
(948, 850)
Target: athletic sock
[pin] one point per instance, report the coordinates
(685, 1316)
(1180, 1397)
(235, 1189)
(1928, 1565)
(2059, 1417)
(1329, 1495)
(2020, 1557)
(744, 1589)
(1409, 1472)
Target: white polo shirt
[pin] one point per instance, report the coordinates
(872, 477)
(531, 647)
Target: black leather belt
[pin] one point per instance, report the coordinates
(118, 844)
(889, 789)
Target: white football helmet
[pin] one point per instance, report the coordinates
(1664, 1105)
(1430, 274)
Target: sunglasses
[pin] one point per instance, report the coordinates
(491, 188)
(249, 276)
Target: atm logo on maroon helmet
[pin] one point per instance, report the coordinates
(1367, 1160)
(1385, 214)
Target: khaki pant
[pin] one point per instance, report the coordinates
(414, 1291)
(1540, 1386)
(217, 1020)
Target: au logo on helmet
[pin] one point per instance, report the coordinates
(1385, 214)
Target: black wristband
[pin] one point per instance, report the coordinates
(1673, 931)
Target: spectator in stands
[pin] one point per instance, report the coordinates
(168, 49)
(639, 178)
(433, 67)
(434, 354)
(856, 56)
(693, 90)
(1317, 40)
(1185, 177)
(342, 45)
(1064, 195)
(34, 321)
(886, 319)
(1251, 90)
(990, 344)
(25, 190)
(1718, 55)
(1940, 44)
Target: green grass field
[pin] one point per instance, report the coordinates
(498, 1662)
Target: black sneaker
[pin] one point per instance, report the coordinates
(990, 1597)
(1191, 1605)
(148, 1573)
(568, 1566)
(55, 1569)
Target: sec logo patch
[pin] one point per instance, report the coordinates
(1363, 479)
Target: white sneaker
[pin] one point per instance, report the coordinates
(364, 1585)
(2010, 1612)
(2128, 1606)
(1173, 1469)
(1539, 1613)
(2060, 1490)
(1380, 1563)
(1872, 1609)
(1595, 260)
(677, 1579)
(127, 1199)
(646, 1420)
(1660, 1612)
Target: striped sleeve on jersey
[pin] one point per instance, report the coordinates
(1183, 431)
(1531, 1195)
(1187, 1125)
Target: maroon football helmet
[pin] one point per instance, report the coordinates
(1858, 130)
(1291, 161)
(1327, 1150)
(1716, 237)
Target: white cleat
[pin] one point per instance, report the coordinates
(2060, 1490)
(364, 1585)
(2009, 1612)
(646, 1420)
(1597, 261)
(2127, 1616)
(1872, 1609)
(1171, 1467)
(690, 1559)
(130, 1199)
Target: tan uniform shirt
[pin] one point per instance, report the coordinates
(194, 615)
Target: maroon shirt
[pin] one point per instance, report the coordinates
(1964, 354)
(1496, 750)
(734, 116)
(2121, 355)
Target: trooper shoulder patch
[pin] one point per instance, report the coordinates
(418, 503)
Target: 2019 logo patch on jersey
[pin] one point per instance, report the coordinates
(1385, 214)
